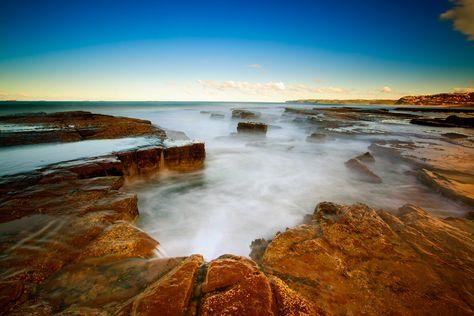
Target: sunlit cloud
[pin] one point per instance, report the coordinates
(386, 90)
(256, 66)
(14, 96)
(462, 16)
(463, 89)
(271, 88)
(243, 86)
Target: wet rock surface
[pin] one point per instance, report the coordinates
(73, 126)
(358, 166)
(67, 228)
(450, 121)
(252, 128)
(352, 259)
(69, 246)
(244, 114)
(455, 185)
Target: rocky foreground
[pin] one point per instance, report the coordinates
(69, 246)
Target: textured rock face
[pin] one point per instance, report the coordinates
(252, 127)
(436, 161)
(439, 99)
(457, 186)
(170, 295)
(185, 158)
(66, 229)
(74, 126)
(235, 286)
(354, 260)
(362, 171)
(450, 121)
(244, 114)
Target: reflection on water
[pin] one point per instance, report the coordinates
(18, 159)
(250, 187)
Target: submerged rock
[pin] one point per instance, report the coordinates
(316, 137)
(454, 135)
(252, 127)
(244, 114)
(362, 170)
(366, 157)
(217, 116)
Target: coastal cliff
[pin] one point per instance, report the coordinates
(447, 99)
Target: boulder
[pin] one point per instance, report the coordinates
(235, 286)
(362, 171)
(217, 116)
(185, 158)
(366, 157)
(316, 137)
(170, 295)
(252, 127)
(244, 114)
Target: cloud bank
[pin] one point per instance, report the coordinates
(271, 88)
(256, 66)
(462, 16)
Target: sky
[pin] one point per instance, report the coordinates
(234, 50)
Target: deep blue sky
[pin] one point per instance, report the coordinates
(252, 50)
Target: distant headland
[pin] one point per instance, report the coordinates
(449, 99)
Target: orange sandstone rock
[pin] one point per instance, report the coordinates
(354, 260)
(235, 286)
(169, 295)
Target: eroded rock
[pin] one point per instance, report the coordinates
(354, 260)
(457, 186)
(316, 137)
(170, 295)
(450, 121)
(362, 171)
(74, 126)
(235, 286)
(252, 127)
(244, 114)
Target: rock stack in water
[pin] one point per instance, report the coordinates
(252, 128)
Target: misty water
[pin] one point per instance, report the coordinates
(251, 187)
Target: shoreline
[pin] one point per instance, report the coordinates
(311, 268)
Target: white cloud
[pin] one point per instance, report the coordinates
(386, 90)
(243, 86)
(463, 89)
(462, 16)
(14, 96)
(256, 66)
(276, 89)
(301, 87)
